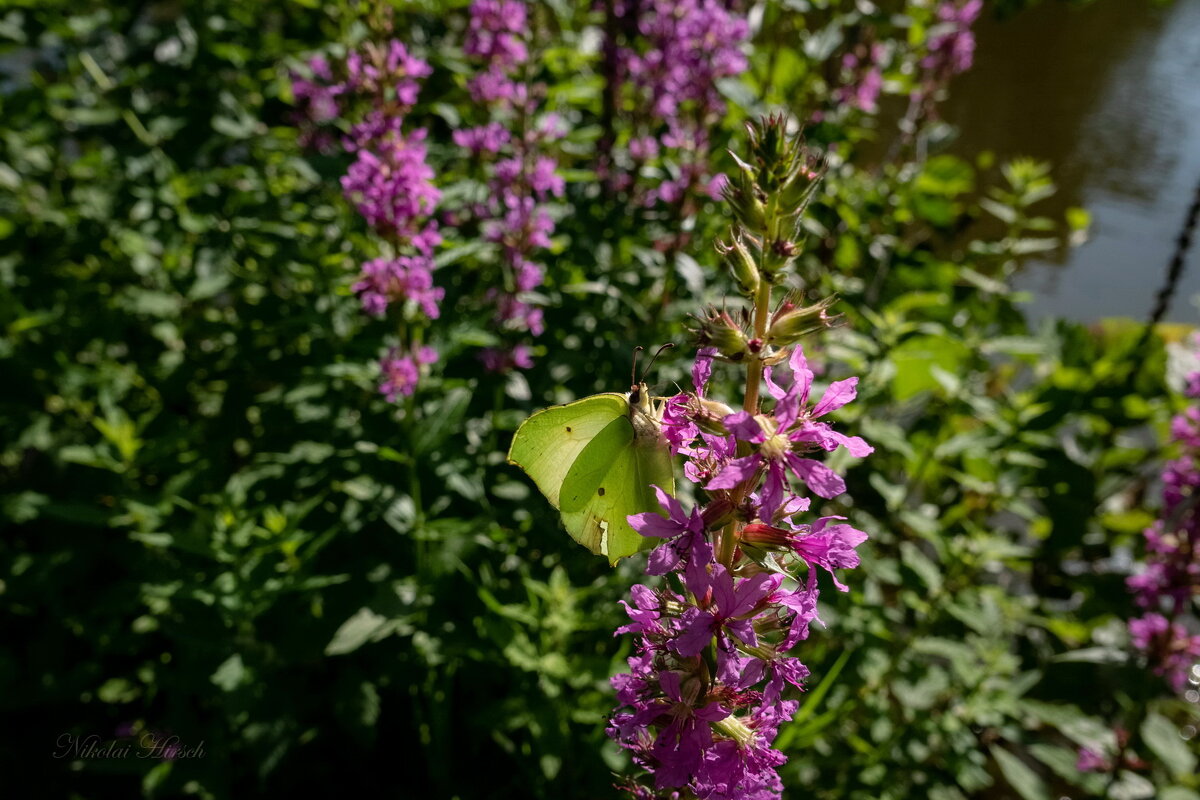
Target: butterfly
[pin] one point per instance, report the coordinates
(594, 460)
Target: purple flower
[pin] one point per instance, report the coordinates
(719, 744)
(401, 371)
(678, 423)
(744, 765)
(823, 545)
(675, 55)
(645, 613)
(643, 148)
(866, 81)
(1173, 651)
(488, 138)
(684, 533)
(1170, 577)
(522, 179)
(679, 748)
(952, 47)
(392, 187)
(372, 70)
(1091, 761)
(777, 435)
(702, 369)
(802, 604)
(495, 32)
(385, 281)
(499, 360)
(723, 611)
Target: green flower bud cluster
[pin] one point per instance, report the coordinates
(768, 196)
(792, 321)
(730, 338)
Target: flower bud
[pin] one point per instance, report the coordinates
(710, 417)
(791, 322)
(765, 536)
(718, 513)
(741, 263)
(735, 729)
(777, 258)
(801, 186)
(720, 331)
(781, 158)
(744, 198)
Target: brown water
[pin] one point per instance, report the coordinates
(1110, 94)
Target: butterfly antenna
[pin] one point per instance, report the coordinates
(656, 355)
(633, 370)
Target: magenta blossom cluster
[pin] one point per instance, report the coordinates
(1170, 578)
(390, 183)
(402, 370)
(951, 41)
(681, 50)
(514, 147)
(863, 69)
(950, 50)
(385, 281)
(496, 37)
(707, 688)
(317, 103)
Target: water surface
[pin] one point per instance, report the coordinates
(1110, 94)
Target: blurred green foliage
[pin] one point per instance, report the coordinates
(214, 526)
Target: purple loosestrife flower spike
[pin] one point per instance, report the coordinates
(522, 176)
(1170, 577)
(671, 63)
(706, 690)
(390, 183)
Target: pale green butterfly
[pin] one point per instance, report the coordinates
(594, 460)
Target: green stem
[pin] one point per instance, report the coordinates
(762, 307)
(414, 483)
(762, 302)
(729, 540)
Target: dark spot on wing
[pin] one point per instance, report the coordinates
(568, 429)
(600, 491)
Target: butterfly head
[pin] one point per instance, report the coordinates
(641, 405)
(639, 398)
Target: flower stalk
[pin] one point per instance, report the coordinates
(705, 693)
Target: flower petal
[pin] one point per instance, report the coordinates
(702, 369)
(735, 472)
(837, 395)
(744, 426)
(818, 477)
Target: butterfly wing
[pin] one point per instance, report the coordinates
(591, 464)
(611, 480)
(550, 441)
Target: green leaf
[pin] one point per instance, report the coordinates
(1095, 655)
(1073, 723)
(912, 557)
(1020, 777)
(441, 420)
(1163, 737)
(915, 358)
(230, 674)
(355, 632)
(1131, 786)
(118, 690)
(945, 175)
(1178, 793)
